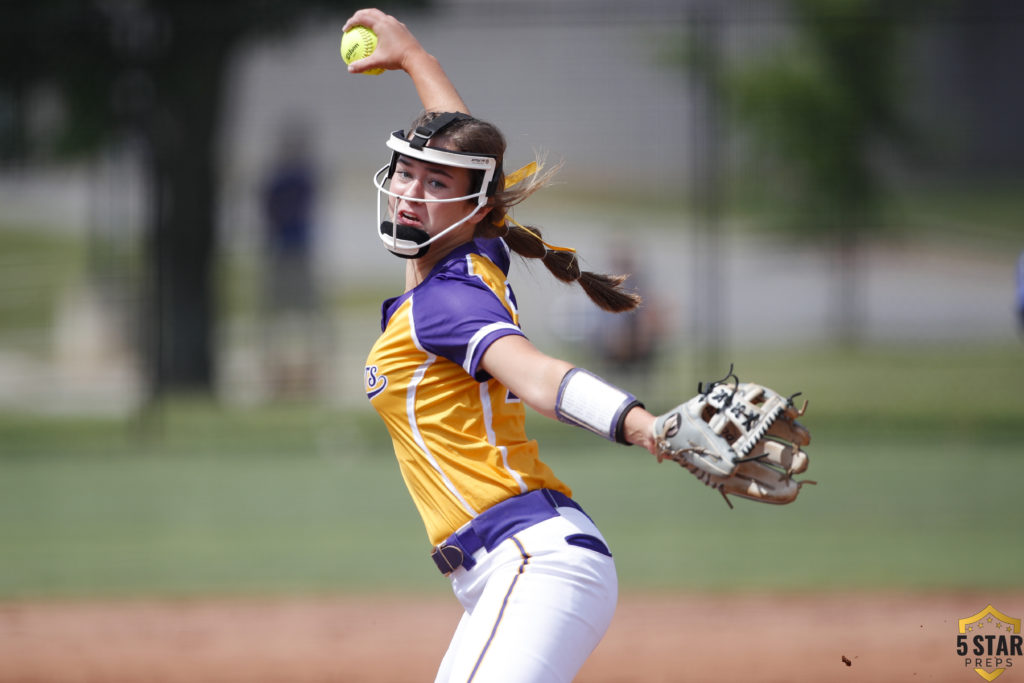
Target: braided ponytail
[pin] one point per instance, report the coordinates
(480, 137)
(604, 290)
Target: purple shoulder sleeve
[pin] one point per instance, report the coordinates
(459, 319)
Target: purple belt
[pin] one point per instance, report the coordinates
(494, 525)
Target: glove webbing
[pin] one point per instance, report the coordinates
(744, 445)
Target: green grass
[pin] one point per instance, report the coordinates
(201, 501)
(36, 267)
(903, 513)
(973, 217)
(917, 453)
(947, 387)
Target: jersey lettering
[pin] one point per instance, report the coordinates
(374, 383)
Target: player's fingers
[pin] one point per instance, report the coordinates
(369, 18)
(792, 460)
(762, 483)
(395, 42)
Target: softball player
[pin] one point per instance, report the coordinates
(450, 375)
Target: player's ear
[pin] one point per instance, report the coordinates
(480, 215)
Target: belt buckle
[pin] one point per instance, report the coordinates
(448, 558)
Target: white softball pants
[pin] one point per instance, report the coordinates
(536, 606)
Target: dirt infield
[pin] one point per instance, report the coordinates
(365, 639)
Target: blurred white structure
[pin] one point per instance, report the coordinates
(590, 89)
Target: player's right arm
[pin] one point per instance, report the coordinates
(535, 377)
(397, 49)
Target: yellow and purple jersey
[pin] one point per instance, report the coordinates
(458, 433)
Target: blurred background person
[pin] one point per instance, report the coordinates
(627, 344)
(1020, 291)
(290, 295)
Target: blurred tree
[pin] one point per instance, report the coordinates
(822, 106)
(154, 70)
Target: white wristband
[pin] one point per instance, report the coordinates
(586, 400)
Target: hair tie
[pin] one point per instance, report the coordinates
(549, 247)
(520, 175)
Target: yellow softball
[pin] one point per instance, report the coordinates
(359, 42)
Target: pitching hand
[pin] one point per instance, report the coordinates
(397, 48)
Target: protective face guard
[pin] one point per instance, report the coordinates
(410, 242)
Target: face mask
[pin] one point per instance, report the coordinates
(408, 241)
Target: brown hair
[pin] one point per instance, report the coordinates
(481, 137)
